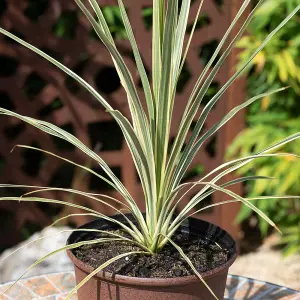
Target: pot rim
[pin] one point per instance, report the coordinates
(138, 281)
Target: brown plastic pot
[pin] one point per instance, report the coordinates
(107, 286)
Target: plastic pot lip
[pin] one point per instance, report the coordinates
(137, 281)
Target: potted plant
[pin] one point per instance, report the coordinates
(157, 254)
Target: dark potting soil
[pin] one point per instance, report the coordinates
(167, 263)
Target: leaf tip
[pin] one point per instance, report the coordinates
(13, 148)
(286, 87)
(277, 228)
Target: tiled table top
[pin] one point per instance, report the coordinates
(57, 286)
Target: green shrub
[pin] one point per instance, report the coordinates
(278, 65)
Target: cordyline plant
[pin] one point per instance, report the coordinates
(160, 169)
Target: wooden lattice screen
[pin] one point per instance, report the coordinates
(33, 87)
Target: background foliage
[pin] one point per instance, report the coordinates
(275, 117)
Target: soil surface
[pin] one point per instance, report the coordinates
(167, 263)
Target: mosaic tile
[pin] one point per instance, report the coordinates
(41, 286)
(63, 282)
(17, 292)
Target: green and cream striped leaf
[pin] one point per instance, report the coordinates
(181, 215)
(58, 132)
(221, 92)
(139, 238)
(79, 80)
(218, 50)
(243, 200)
(68, 247)
(192, 149)
(70, 162)
(239, 163)
(59, 220)
(189, 114)
(140, 66)
(179, 249)
(157, 38)
(166, 93)
(146, 173)
(189, 40)
(204, 87)
(229, 183)
(139, 117)
(90, 196)
(66, 231)
(244, 161)
(179, 219)
(248, 199)
(50, 59)
(196, 99)
(102, 22)
(46, 188)
(180, 36)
